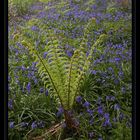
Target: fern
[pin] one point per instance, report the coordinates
(62, 76)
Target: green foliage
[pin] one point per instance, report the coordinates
(60, 75)
(19, 7)
(121, 132)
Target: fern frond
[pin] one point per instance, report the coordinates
(44, 69)
(76, 65)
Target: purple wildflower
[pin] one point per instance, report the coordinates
(121, 116)
(41, 14)
(10, 104)
(23, 124)
(46, 93)
(69, 53)
(114, 119)
(100, 110)
(41, 124)
(11, 125)
(110, 69)
(45, 54)
(106, 116)
(86, 104)
(28, 87)
(116, 81)
(98, 100)
(90, 112)
(91, 134)
(93, 72)
(41, 90)
(35, 81)
(117, 59)
(107, 122)
(78, 99)
(107, 97)
(23, 68)
(123, 89)
(34, 28)
(87, 54)
(34, 125)
(112, 98)
(60, 112)
(116, 107)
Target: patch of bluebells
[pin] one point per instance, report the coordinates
(107, 120)
(78, 13)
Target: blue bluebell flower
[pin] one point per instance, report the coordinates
(123, 90)
(107, 122)
(78, 99)
(90, 112)
(11, 125)
(114, 119)
(47, 92)
(86, 104)
(116, 81)
(45, 54)
(34, 28)
(121, 116)
(98, 100)
(23, 124)
(87, 54)
(60, 112)
(10, 104)
(23, 68)
(41, 90)
(106, 115)
(69, 53)
(93, 72)
(34, 125)
(41, 124)
(116, 107)
(117, 59)
(91, 134)
(112, 98)
(28, 87)
(100, 110)
(107, 97)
